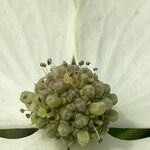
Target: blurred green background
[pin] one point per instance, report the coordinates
(126, 134)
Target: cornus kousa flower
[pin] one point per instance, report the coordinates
(74, 104)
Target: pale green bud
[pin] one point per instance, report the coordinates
(61, 70)
(69, 140)
(40, 85)
(80, 120)
(108, 102)
(83, 137)
(112, 115)
(67, 79)
(41, 123)
(66, 114)
(41, 112)
(97, 108)
(54, 101)
(99, 89)
(64, 129)
(59, 86)
(71, 95)
(114, 98)
(107, 89)
(80, 105)
(51, 130)
(89, 91)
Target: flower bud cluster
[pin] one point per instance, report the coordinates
(71, 104)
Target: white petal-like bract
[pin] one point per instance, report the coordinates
(30, 32)
(115, 36)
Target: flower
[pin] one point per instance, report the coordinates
(113, 35)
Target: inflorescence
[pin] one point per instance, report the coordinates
(71, 103)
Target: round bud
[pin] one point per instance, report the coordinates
(108, 102)
(44, 93)
(97, 108)
(41, 112)
(41, 123)
(112, 115)
(40, 85)
(107, 89)
(99, 89)
(59, 86)
(51, 130)
(68, 140)
(67, 79)
(80, 105)
(66, 114)
(61, 70)
(89, 91)
(64, 129)
(71, 95)
(53, 101)
(95, 76)
(103, 129)
(114, 98)
(86, 71)
(80, 121)
(83, 137)
(73, 68)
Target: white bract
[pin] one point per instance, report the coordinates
(113, 35)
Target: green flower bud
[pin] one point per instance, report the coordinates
(112, 115)
(99, 89)
(44, 93)
(73, 68)
(59, 86)
(27, 97)
(71, 106)
(66, 114)
(80, 121)
(86, 71)
(41, 112)
(51, 114)
(40, 85)
(67, 79)
(33, 117)
(89, 91)
(64, 129)
(95, 76)
(53, 101)
(69, 140)
(71, 95)
(61, 70)
(97, 108)
(80, 105)
(103, 129)
(108, 102)
(114, 98)
(51, 130)
(83, 137)
(41, 123)
(107, 89)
